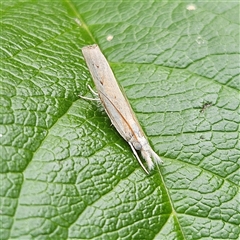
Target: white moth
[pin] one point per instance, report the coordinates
(117, 106)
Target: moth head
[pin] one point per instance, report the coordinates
(137, 145)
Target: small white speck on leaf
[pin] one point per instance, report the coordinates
(200, 40)
(191, 7)
(77, 21)
(109, 38)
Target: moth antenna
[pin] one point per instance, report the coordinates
(137, 157)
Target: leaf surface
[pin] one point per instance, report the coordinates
(65, 171)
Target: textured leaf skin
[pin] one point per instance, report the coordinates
(65, 171)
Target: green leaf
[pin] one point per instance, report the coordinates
(65, 171)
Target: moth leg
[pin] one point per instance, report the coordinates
(93, 92)
(91, 99)
(137, 157)
(88, 98)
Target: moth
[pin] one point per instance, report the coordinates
(117, 106)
